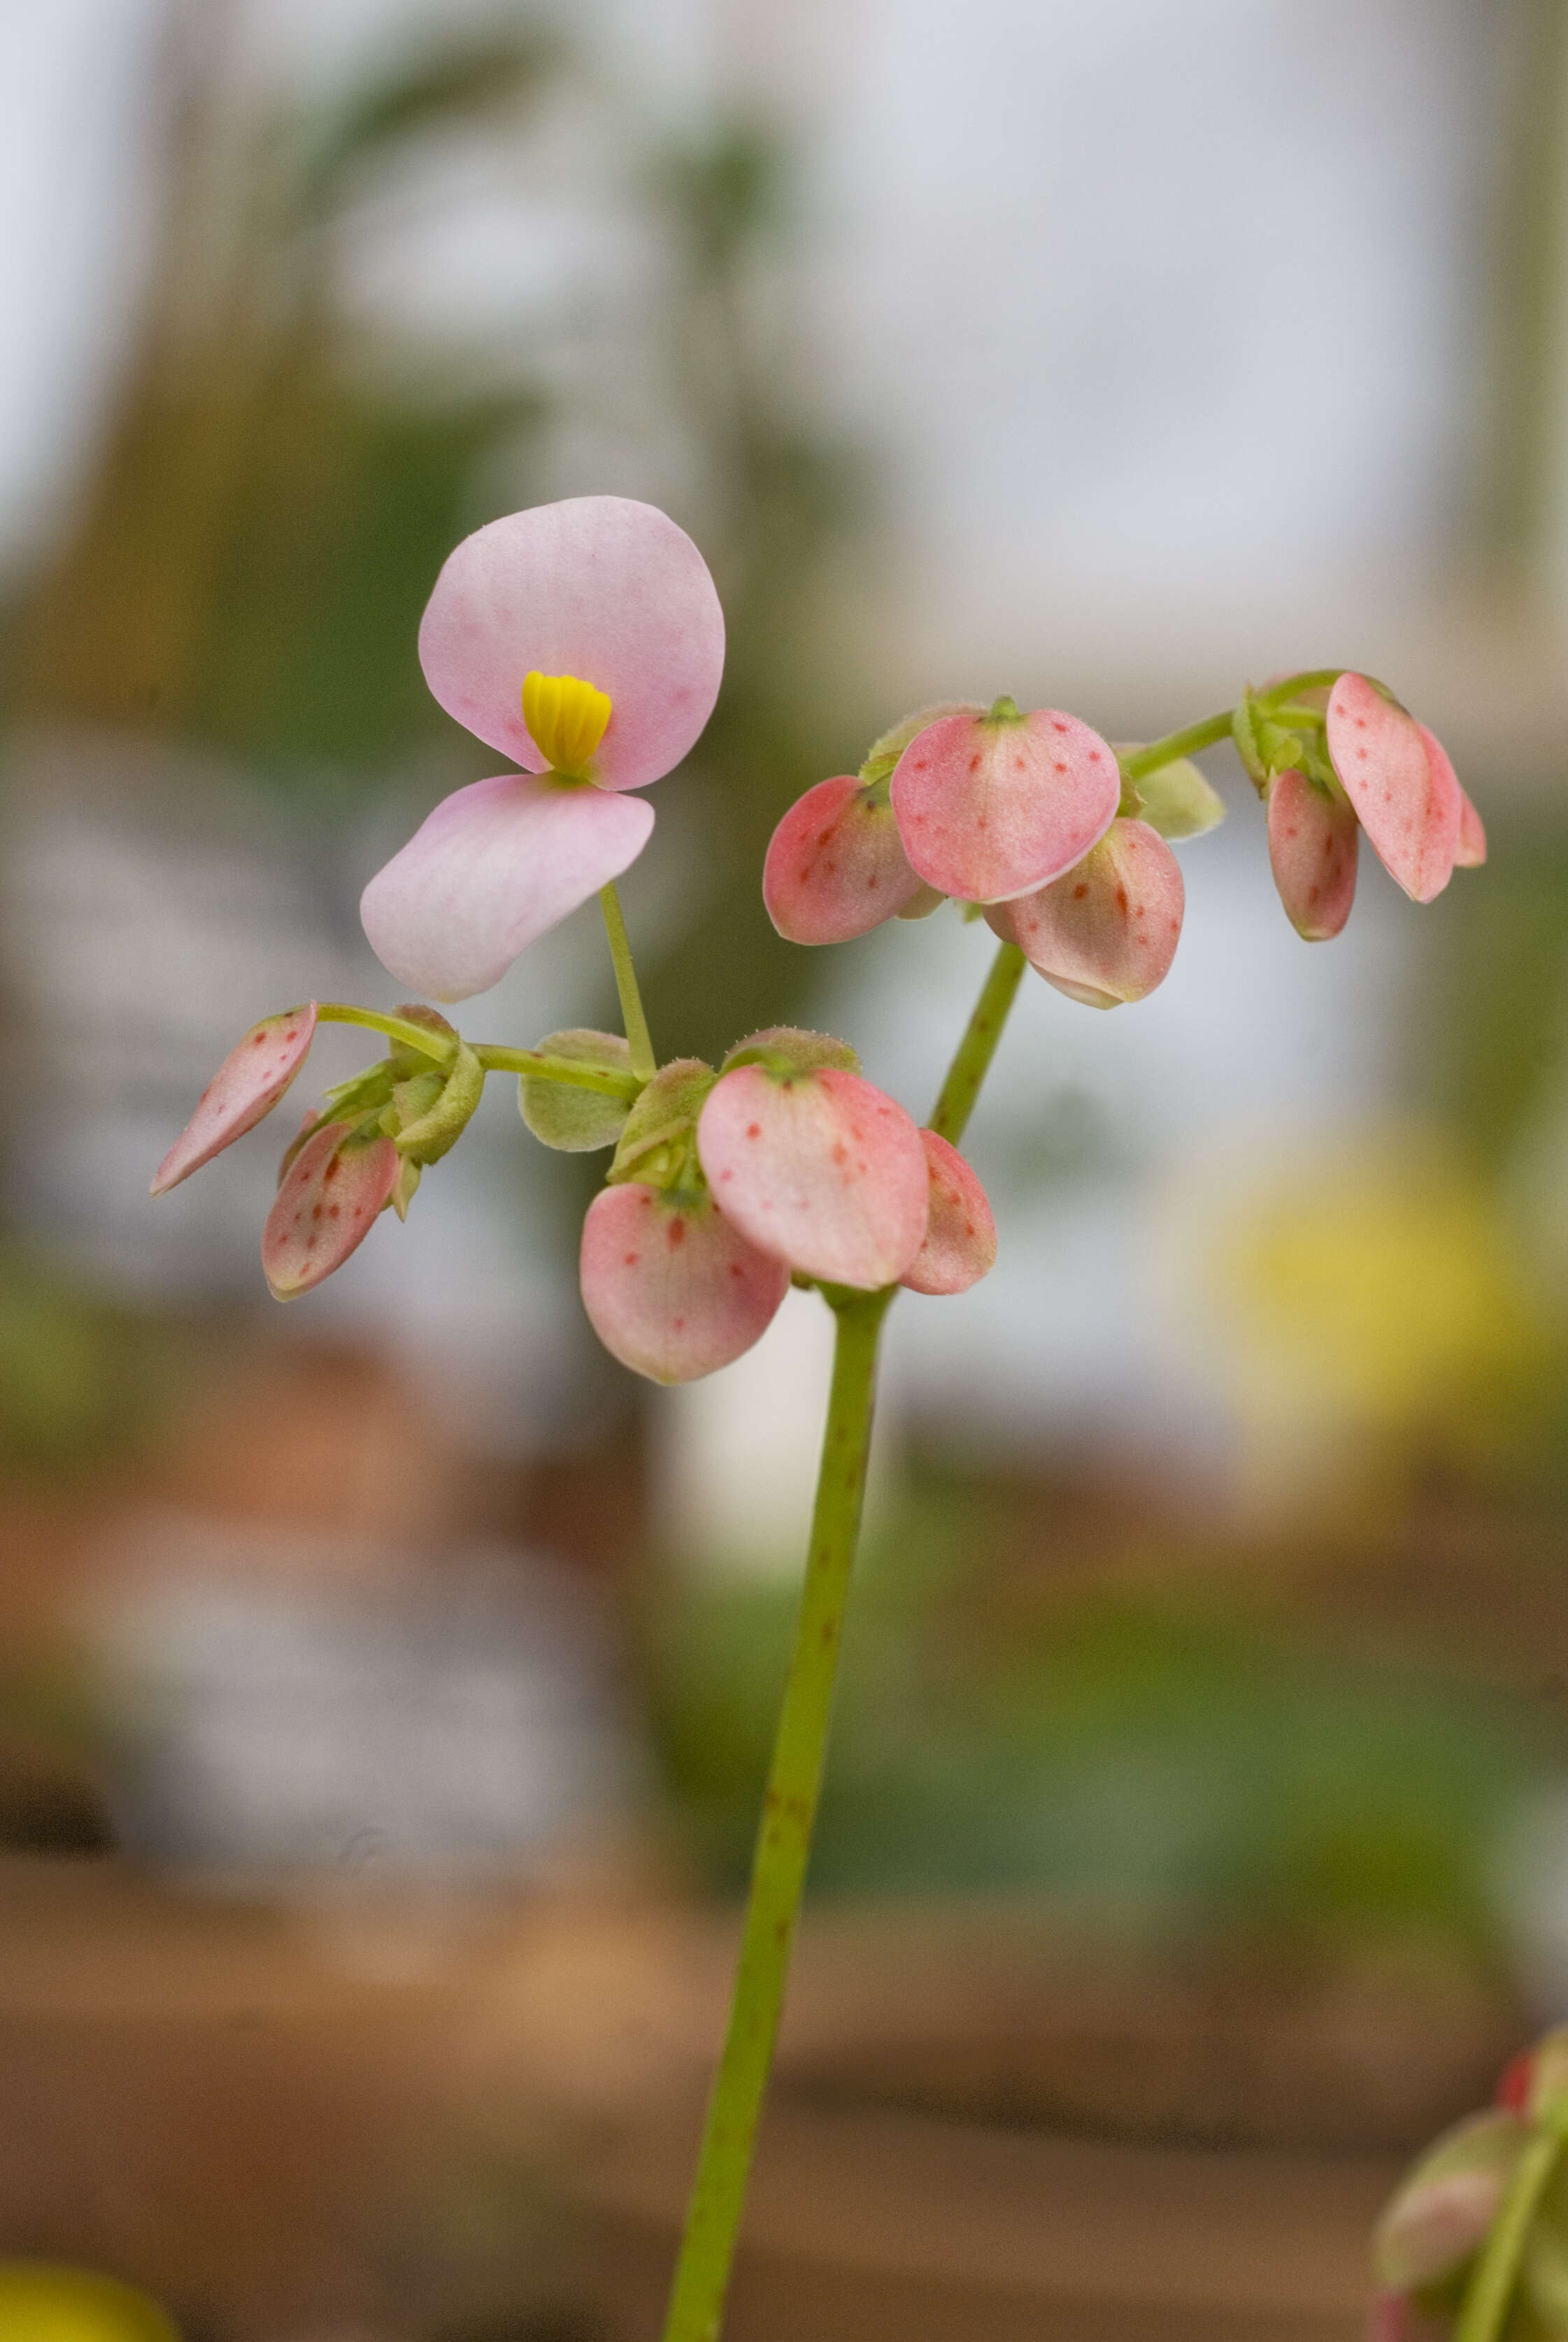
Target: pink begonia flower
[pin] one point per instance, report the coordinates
(992, 806)
(671, 1288)
(325, 1207)
(583, 639)
(1401, 784)
(819, 1168)
(836, 866)
(1107, 931)
(1313, 855)
(246, 1087)
(959, 1246)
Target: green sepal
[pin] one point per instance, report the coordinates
(1177, 799)
(577, 1121)
(430, 1128)
(787, 1049)
(658, 1142)
(885, 753)
(405, 1187)
(1243, 732)
(362, 1092)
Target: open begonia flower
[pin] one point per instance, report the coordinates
(327, 1204)
(836, 866)
(1401, 784)
(996, 805)
(584, 639)
(1107, 931)
(246, 1087)
(1313, 836)
(820, 1168)
(959, 1246)
(672, 1288)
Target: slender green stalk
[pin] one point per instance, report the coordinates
(1185, 743)
(644, 1064)
(1490, 2292)
(540, 1065)
(784, 1841)
(1317, 678)
(396, 1028)
(971, 1061)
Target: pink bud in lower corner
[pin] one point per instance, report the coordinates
(246, 1087)
(1312, 852)
(325, 1207)
(996, 805)
(960, 1243)
(1107, 932)
(820, 1170)
(1400, 782)
(670, 1287)
(836, 866)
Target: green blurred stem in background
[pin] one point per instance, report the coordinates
(1489, 2296)
(644, 1064)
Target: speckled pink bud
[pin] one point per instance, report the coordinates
(246, 1087)
(671, 1288)
(820, 1169)
(836, 867)
(1312, 852)
(994, 806)
(325, 1207)
(1106, 932)
(960, 1243)
(1401, 784)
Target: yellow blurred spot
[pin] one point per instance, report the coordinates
(42, 2303)
(566, 717)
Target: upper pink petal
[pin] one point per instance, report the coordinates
(1401, 784)
(671, 1288)
(836, 867)
(820, 1169)
(325, 1207)
(1312, 853)
(247, 1086)
(988, 811)
(960, 1243)
(496, 866)
(1106, 932)
(600, 587)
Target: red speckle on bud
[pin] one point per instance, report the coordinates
(246, 1087)
(989, 811)
(836, 866)
(682, 1308)
(309, 1231)
(960, 1243)
(1312, 852)
(1400, 782)
(1107, 932)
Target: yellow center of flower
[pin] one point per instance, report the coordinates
(566, 717)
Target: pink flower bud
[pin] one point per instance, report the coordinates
(325, 1207)
(246, 1087)
(1446, 2203)
(994, 806)
(1312, 852)
(1107, 932)
(960, 1243)
(670, 1287)
(1401, 784)
(836, 867)
(820, 1170)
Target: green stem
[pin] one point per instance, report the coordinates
(1490, 2291)
(540, 1067)
(644, 1064)
(1317, 678)
(784, 1841)
(1185, 743)
(971, 1061)
(396, 1028)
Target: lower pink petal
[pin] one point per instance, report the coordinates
(494, 866)
(960, 1243)
(1401, 784)
(1471, 851)
(988, 811)
(325, 1207)
(820, 1169)
(247, 1086)
(1313, 855)
(1107, 932)
(670, 1287)
(836, 867)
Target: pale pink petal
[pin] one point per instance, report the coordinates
(991, 810)
(325, 1207)
(836, 867)
(496, 866)
(1106, 932)
(1471, 851)
(671, 1288)
(247, 1086)
(599, 588)
(820, 1170)
(960, 1243)
(1406, 796)
(1312, 852)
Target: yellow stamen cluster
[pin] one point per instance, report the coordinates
(566, 718)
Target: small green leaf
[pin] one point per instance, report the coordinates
(786, 1048)
(1177, 799)
(577, 1121)
(664, 1116)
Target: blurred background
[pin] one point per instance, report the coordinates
(384, 1689)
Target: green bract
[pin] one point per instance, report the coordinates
(573, 1120)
